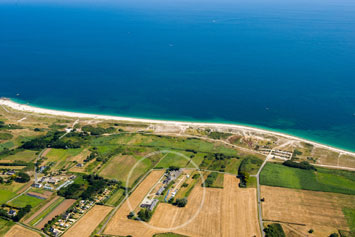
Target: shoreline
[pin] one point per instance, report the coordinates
(32, 109)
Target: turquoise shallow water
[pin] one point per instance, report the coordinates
(288, 67)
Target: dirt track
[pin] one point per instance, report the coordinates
(226, 212)
(19, 231)
(87, 224)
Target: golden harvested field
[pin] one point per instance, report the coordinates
(19, 231)
(57, 211)
(86, 225)
(119, 224)
(226, 212)
(320, 211)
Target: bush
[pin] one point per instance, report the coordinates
(6, 136)
(210, 179)
(180, 202)
(244, 179)
(22, 177)
(305, 165)
(274, 230)
(145, 215)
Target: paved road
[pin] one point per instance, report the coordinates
(258, 196)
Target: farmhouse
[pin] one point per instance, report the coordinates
(12, 212)
(149, 203)
(160, 191)
(37, 185)
(52, 180)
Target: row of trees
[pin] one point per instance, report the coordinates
(305, 165)
(88, 188)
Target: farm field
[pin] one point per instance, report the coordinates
(14, 186)
(169, 234)
(25, 155)
(116, 198)
(349, 214)
(172, 159)
(234, 212)
(119, 224)
(218, 183)
(57, 211)
(231, 206)
(19, 231)
(6, 195)
(60, 156)
(327, 180)
(87, 224)
(5, 226)
(119, 167)
(304, 209)
(45, 210)
(24, 200)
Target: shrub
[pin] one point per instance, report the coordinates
(274, 230)
(305, 165)
(180, 202)
(22, 177)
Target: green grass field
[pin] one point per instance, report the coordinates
(168, 235)
(197, 159)
(233, 166)
(47, 211)
(60, 156)
(119, 167)
(218, 183)
(349, 214)
(115, 199)
(24, 200)
(5, 226)
(163, 142)
(25, 155)
(13, 187)
(7, 145)
(337, 181)
(6, 195)
(171, 159)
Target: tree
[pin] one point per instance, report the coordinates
(130, 215)
(311, 231)
(334, 235)
(181, 202)
(144, 215)
(22, 177)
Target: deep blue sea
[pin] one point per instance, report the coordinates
(286, 65)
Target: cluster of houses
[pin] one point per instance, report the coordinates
(69, 218)
(54, 182)
(150, 203)
(277, 153)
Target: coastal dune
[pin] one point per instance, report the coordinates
(5, 102)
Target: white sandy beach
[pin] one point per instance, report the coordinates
(27, 108)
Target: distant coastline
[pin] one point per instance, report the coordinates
(32, 109)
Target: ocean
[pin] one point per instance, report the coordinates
(287, 66)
